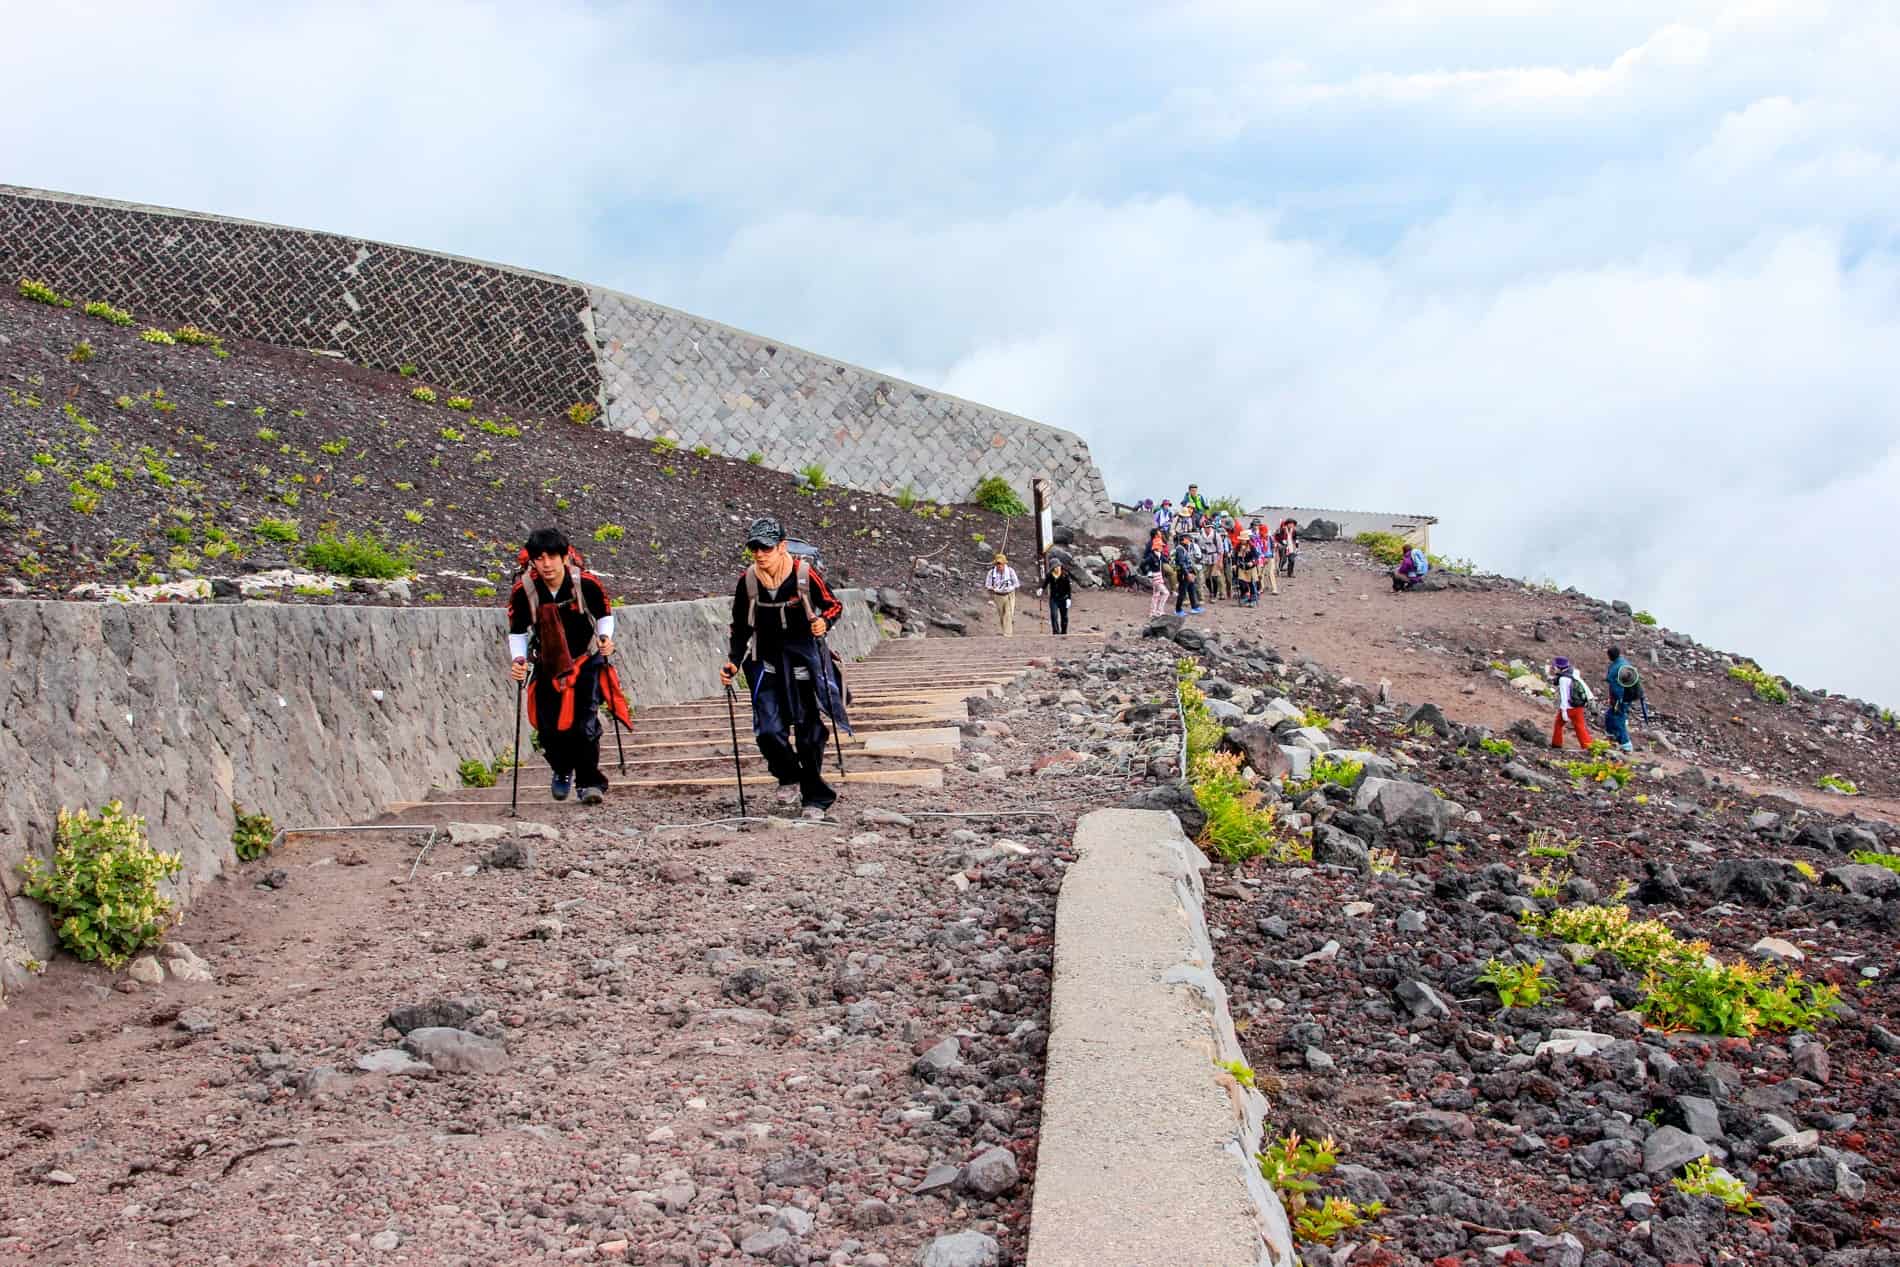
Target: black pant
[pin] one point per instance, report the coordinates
(576, 750)
(1286, 564)
(802, 763)
(1190, 591)
(1058, 615)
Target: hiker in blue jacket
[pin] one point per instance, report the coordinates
(1625, 689)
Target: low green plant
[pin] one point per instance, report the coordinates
(610, 532)
(476, 773)
(195, 337)
(906, 497)
(106, 312)
(503, 428)
(484, 591)
(267, 435)
(1549, 882)
(83, 500)
(1447, 563)
(1240, 824)
(407, 371)
(463, 403)
(155, 335)
(1686, 988)
(1836, 783)
(41, 293)
(412, 516)
(1239, 1070)
(755, 458)
(1328, 768)
(1643, 618)
(1498, 747)
(1703, 1178)
(1290, 1166)
(424, 394)
(1518, 985)
(252, 835)
(702, 451)
(81, 353)
(1767, 688)
(336, 447)
(1806, 871)
(1599, 770)
(357, 554)
(994, 494)
(1550, 844)
(102, 886)
(1869, 857)
(582, 412)
(1386, 547)
(1316, 719)
(815, 477)
(452, 435)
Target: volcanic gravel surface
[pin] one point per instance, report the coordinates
(1551, 1134)
(152, 462)
(803, 1043)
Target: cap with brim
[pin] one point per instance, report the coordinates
(765, 531)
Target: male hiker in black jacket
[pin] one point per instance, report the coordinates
(781, 609)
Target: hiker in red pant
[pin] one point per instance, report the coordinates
(1573, 698)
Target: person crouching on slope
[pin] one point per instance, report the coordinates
(781, 609)
(560, 615)
(1573, 697)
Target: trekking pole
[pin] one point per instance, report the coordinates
(825, 667)
(732, 721)
(514, 795)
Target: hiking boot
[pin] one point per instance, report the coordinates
(1198, 610)
(593, 795)
(560, 786)
(787, 793)
(816, 813)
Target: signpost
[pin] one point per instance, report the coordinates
(1044, 494)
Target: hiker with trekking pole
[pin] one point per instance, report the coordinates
(560, 640)
(781, 612)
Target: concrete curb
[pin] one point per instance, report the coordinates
(1146, 1155)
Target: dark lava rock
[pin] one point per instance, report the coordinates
(435, 1014)
(795, 1168)
(511, 854)
(1178, 799)
(1763, 881)
(1341, 849)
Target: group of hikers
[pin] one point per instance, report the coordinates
(1198, 554)
(561, 642)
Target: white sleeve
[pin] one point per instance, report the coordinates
(1563, 692)
(605, 626)
(517, 646)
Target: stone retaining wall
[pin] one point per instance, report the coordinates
(536, 343)
(181, 710)
(669, 373)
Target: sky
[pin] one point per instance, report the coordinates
(1613, 290)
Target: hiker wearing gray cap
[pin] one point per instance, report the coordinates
(781, 610)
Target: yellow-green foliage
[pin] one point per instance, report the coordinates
(1290, 1165)
(993, 493)
(106, 312)
(81, 353)
(463, 403)
(1891, 861)
(1685, 987)
(1498, 747)
(1600, 770)
(1836, 783)
(424, 394)
(155, 335)
(252, 835)
(1239, 826)
(1327, 768)
(1766, 687)
(476, 772)
(1518, 985)
(582, 412)
(1643, 618)
(41, 293)
(102, 885)
(1702, 1178)
(1386, 547)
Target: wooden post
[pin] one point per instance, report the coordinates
(1044, 494)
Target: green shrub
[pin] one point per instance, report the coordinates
(582, 412)
(755, 458)
(994, 494)
(1240, 825)
(815, 477)
(1498, 747)
(1290, 1166)
(1703, 1178)
(106, 312)
(424, 394)
(1767, 689)
(102, 886)
(1229, 506)
(609, 532)
(252, 835)
(41, 293)
(357, 554)
(1891, 861)
(1386, 547)
(155, 335)
(1599, 770)
(906, 497)
(1643, 618)
(1327, 768)
(81, 353)
(1446, 563)
(702, 451)
(476, 773)
(502, 428)
(412, 516)
(1518, 985)
(1836, 783)
(1683, 989)
(195, 337)
(463, 403)
(407, 371)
